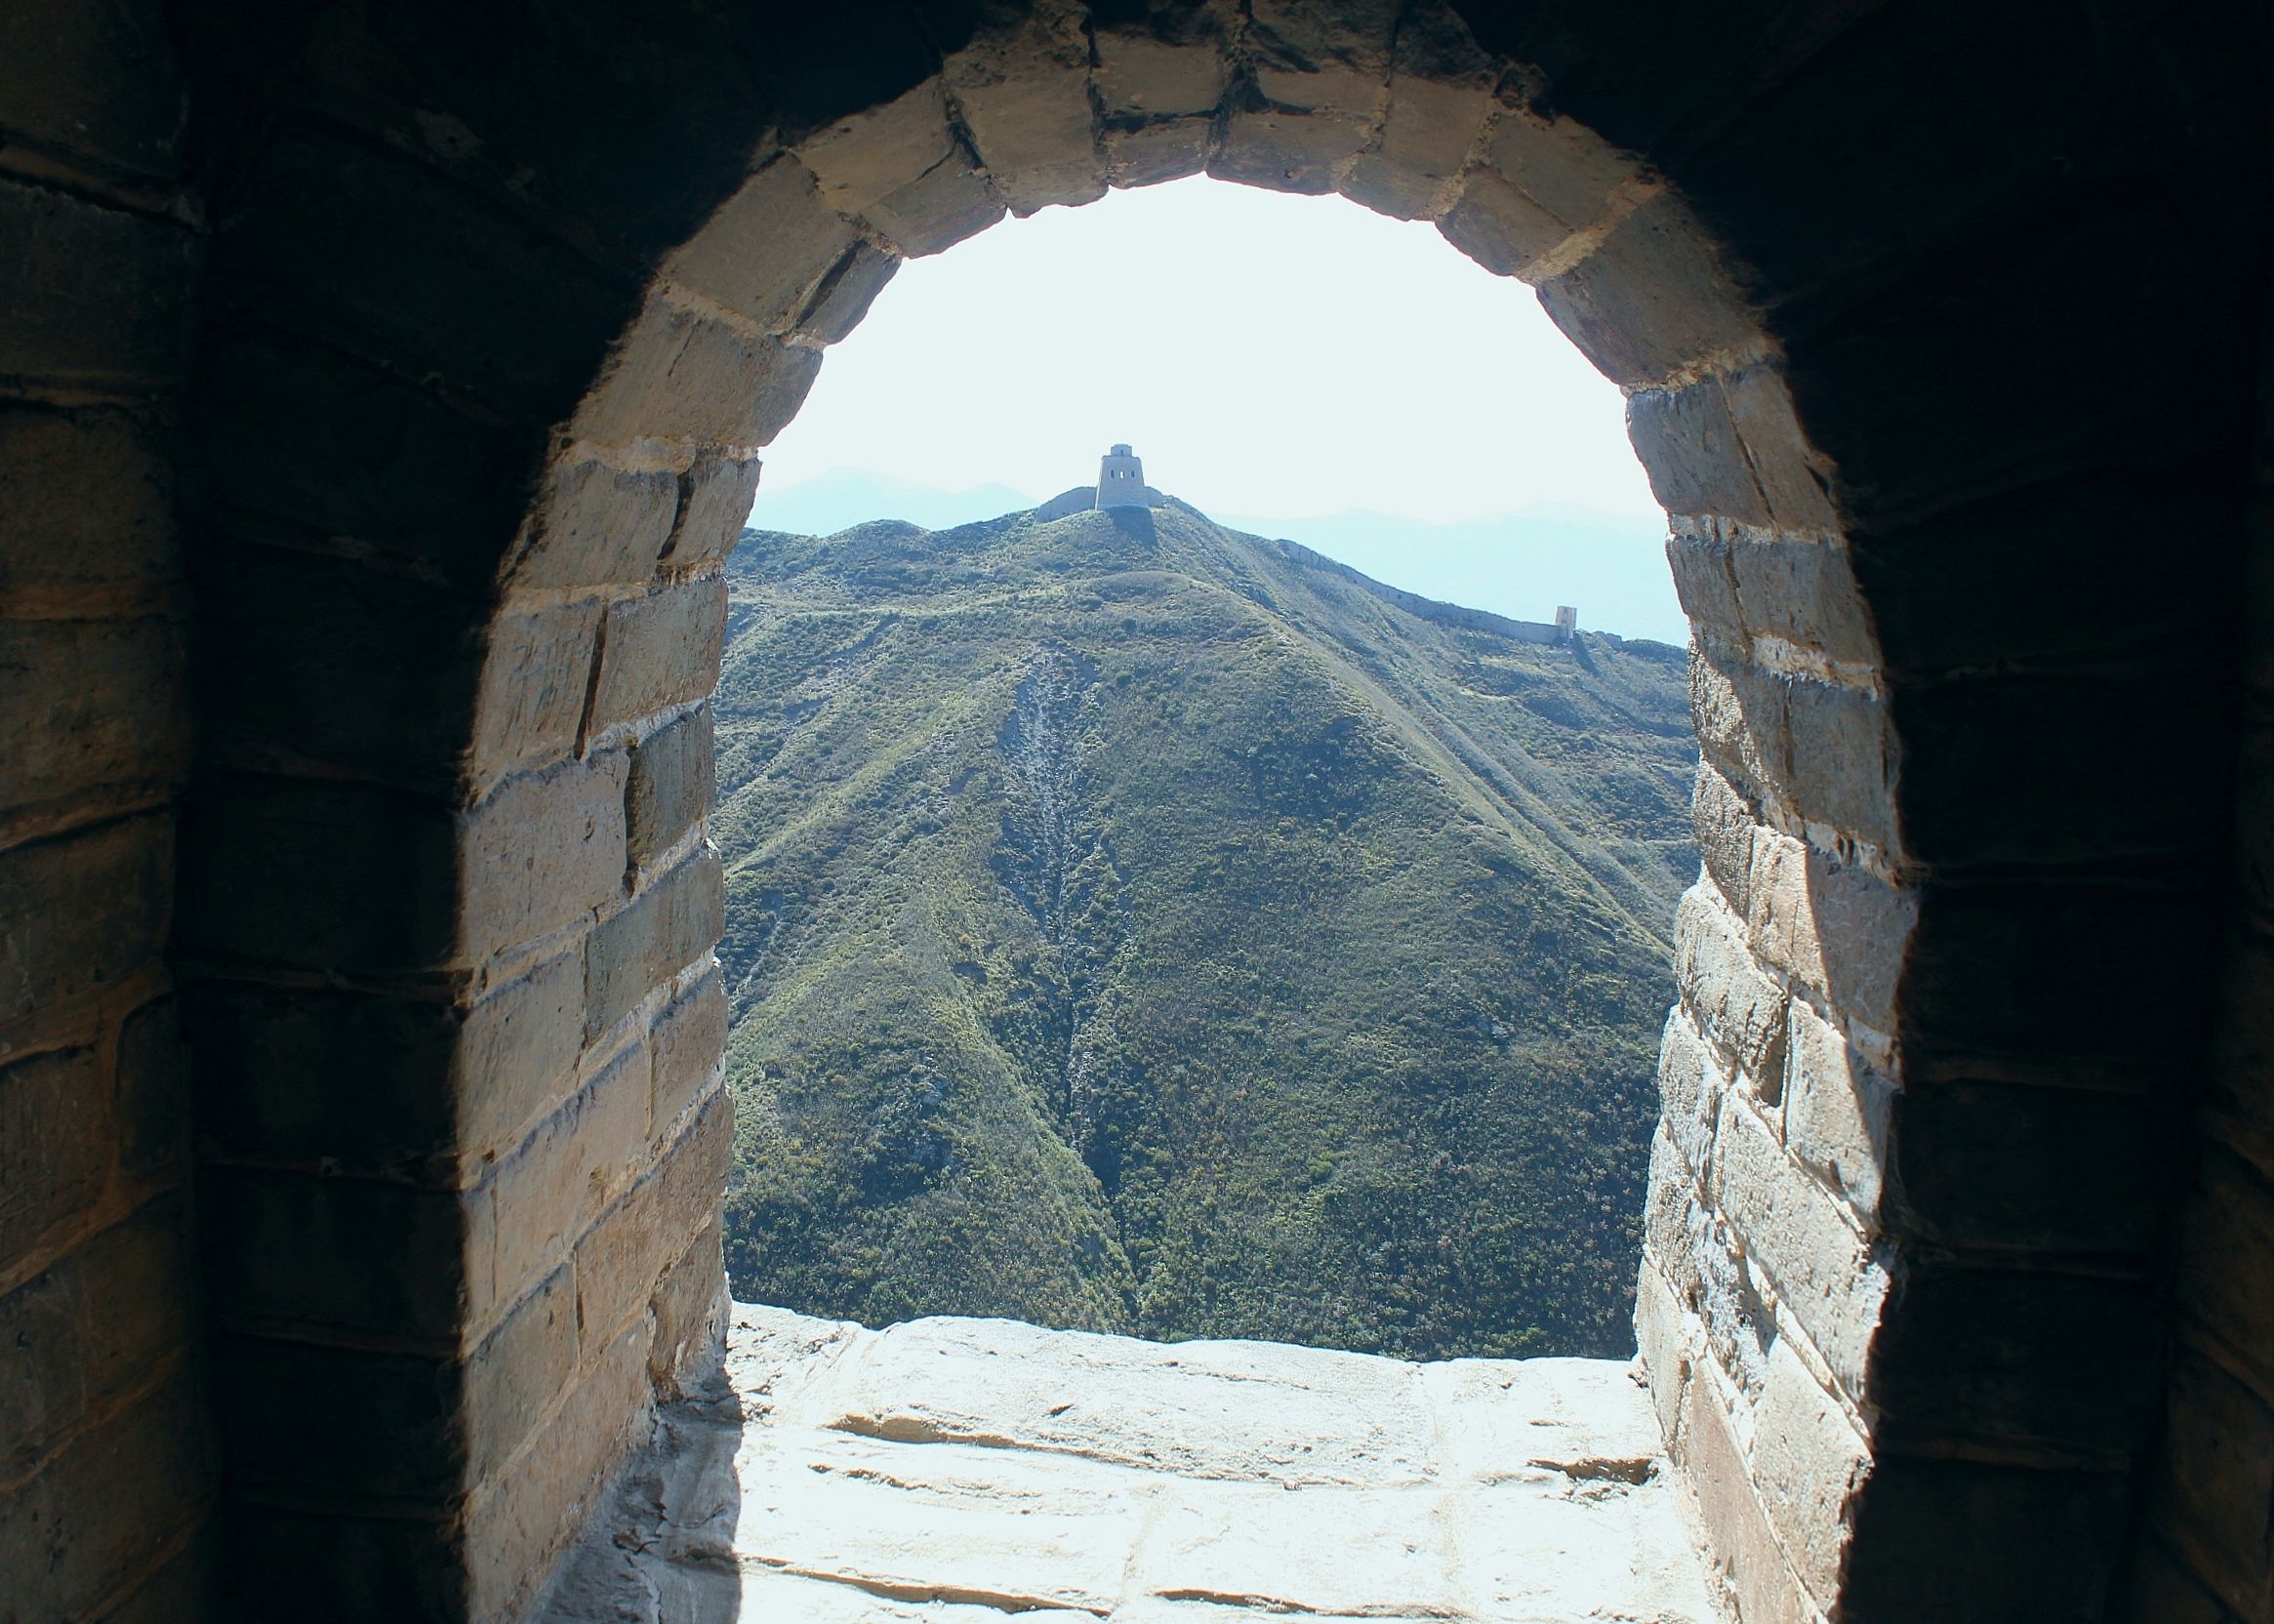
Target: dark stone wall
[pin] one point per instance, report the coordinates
(382, 384)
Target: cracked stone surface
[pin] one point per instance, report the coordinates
(952, 1471)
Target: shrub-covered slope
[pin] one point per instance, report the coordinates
(1140, 926)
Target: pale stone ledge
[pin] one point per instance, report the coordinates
(951, 1470)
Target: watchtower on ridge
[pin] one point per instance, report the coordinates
(1121, 479)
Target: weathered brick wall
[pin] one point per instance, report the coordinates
(105, 1461)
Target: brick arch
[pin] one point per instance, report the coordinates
(494, 316)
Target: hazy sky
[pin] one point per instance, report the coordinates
(1264, 353)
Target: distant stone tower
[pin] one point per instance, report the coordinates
(1121, 480)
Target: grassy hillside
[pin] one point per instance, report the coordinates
(1140, 926)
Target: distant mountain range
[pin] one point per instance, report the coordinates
(1141, 926)
(1611, 567)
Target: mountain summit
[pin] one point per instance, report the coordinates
(1135, 925)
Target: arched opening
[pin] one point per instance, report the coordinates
(1160, 929)
(492, 317)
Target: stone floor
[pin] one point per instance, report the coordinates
(951, 1470)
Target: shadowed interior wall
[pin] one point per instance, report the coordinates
(1944, 373)
(105, 1454)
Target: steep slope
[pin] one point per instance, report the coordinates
(1133, 925)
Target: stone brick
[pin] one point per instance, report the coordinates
(671, 787)
(85, 911)
(1313, 101)
(1804, 593)
(1739, 710)
(517, 1372)
(95, 296)
(1498, 226)
(536, 673)
(686, 1042)
(1023, 94)
(621, 1259)
(1967, 587)
(1840, 929)
(335, 1254)
(1996, 1354)
(2216, 1479)
(541, 850)
(668, 926)
(56, 1143)
(1794, 481)
(898, 165)
(96, 80)
(1165, 63)
(93, 702)
(2005, 769)
(1427, 127)
(346, 451)
(520, 1517)
(1653, 300)
(91, 496)
(370, 1082)
(1686, 440)
(1557, 164)
(355, 703)
(1309, 57)
(1705, 580)
(351, 877)
(1689, 1089)
(2226, 1261)
(594, 525)
(841, 300)
(688, 1317)
(1997, 392)
(316, 1422)
(97, 1324)
(2069, 984)
(151, 1103)
(682, 375)
(1807, 1463)
(551, 1189)
(1842, 766)
(105, 1507)
(1159, 85)
(337, 1564)
(767, 250)
(1837, 1110)
(1729, 446)
(2020, 1167)
(660, 649)
(1794, 1231)
(1737, 1007)
(2007, 1542)
(1662, 1344)
(372, 252)
(865, 157)
(714, 504)
(1672, 1219)
(1723, 823)
(1739, 1541)
(938, 210)
(1142, 153)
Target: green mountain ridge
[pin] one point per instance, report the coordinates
(1139, 926)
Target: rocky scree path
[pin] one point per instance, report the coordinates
(951, 1470)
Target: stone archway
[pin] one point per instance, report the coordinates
(496, 314)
